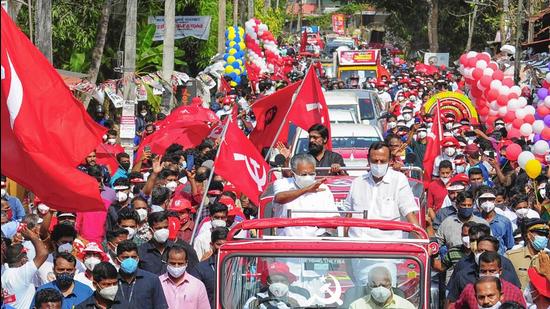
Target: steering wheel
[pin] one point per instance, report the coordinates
(275, 299)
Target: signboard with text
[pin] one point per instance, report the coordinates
(338, 23)
(358, 57)
(195, 26)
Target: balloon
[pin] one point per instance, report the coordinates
(526, 129)
(232, 51)
(228, 69)
(235, 65)
(230, 59)
(498, 75)
(477, 73)
(524, 157)
(541, 148)
(480, 64)
(547, 120)
(513, 151)
(533, 168)
(485, 80)
(231, 36)
(529, 119)
(233, 84)
(538, 126)
(510, 116)
(513, 104)
(522, 101)
(542, 93)
(529, 109)
(520, 113)
(547, 101)
(545, 134)
(543, 110)
(502, 100)
(517, 122)
(237, 71)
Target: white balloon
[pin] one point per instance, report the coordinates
(524, 157)
(521, 113)
(522, 101)
(530, 110)
(481, 64)
(547, 101)
(504, 90)
(513, 104)
(471, 54)
(509, 72)
(548, 77)
(468, 73)
(541, 147)
(488, 72)
(526, 130)
(502, 111)
(538, 126)
(515, 89)
(493, 112)
(494, 105)
(496, 84)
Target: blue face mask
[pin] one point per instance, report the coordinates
(465, 213)
(540, 242)
(129, 265)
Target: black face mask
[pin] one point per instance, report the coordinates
(250, 212)
(125, 165)
(201, 177)
(315, 149)
(64, 280)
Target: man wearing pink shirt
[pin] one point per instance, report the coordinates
(180, 288)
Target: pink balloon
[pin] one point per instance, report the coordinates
(513, 151)
(513, 133)
(529, 119)
(517, 123)
(508, 82)
(498, 74)
(477, 73)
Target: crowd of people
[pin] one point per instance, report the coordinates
(489, 218)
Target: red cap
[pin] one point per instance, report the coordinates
(539, 282)
(232, 209)
(471, 149)
(277, 268)
(449, 141)
(461, 178)
(180, 204)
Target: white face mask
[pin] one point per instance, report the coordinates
(460, 169)
(422, 134)
(68, 247)
(522, 212)
(43, 209)
(3, 192)
(380, 294)
(143, 114)
(171, 185)
(379, 170)
(218, 223)
(121, 196)
(476, 257)
(111, 141)
(161, 236)
(131, 232)
(445, 180)
(226, 108)
(304, 181)
(278, 289)
(91, 262)
(450, 151)
(488, 206)
(142, 212)
(392, 124)
(466, 241)
(175, 272)
(489, 275)
(407, 117)
(495, 306)
(109, 292)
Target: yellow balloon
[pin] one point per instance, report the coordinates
(230, 59)
(241, 31)
(231, 36)
(228, 69)
(232, 84)
(242, 46)
(237, 71)
(232, 43)
(232, 51)
(231, 29)
(533, 168)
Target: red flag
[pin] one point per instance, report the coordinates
(433, 148)
(270, 112)
(303, 42)
(224, 86)
(237, 153)
(310, 106)
(45, 131)
(188, 113)
(106, 155)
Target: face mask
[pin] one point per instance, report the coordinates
(488, 206)
(499, 126)
(476, 257)
(111, 141)
(131, 232)
(43, 209)
(407, 117)
(392, 124)
(304, 181)
(129, 265)
(3, 192)
(175, 272)
(143, 114)
(218, 223)
(142, 212)
(183, 165)
(125, 165)
(171, 185)
(109, 292)
(64, 280)
(450, 151)
(445, 180)
(379, 170)
(449, 125)
(161, 235)
(226, 108)
(522, 213)
(68, 247)
(489, 275)
(380, 294)
(422, 134)
(91, 262)
(466, 241)
(540, 242)
(460, 169)
(465, 213)
(278, 289)
(121, 196)
(496, 306)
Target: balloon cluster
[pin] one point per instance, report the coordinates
(263, 52)
(235, 50)
(496, 96)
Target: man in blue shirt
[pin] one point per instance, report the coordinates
(501, 227)
(74, 292)
(123, 160)
(17, 210)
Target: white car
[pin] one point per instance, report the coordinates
(365, 103)
(342, 116)
(338, 101)
(351, 141)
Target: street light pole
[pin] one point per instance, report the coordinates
(127, 125)
(168, 53)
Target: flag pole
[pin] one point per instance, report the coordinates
(205, 189)
(440, 134)
(286, 116)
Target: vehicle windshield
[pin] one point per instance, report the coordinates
(251, 282)
(341, 142)
(352, 108)
(363, 75)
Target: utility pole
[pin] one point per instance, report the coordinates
(235, 12)
(168, 53)
(300, 12)
(517, 56)
(221, 25)
(250, 9)
(43, 34)
(506, 22)
(128, 125)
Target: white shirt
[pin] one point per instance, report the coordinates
(18, 281)
(322, 200)
(81, 277)
(202, 243)
(390, 199)
(385, 97)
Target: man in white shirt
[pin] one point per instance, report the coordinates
(302, 193)
(17, 280)
(384, 193)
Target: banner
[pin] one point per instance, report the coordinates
(338, 23)
(195, 26)
(437, 59)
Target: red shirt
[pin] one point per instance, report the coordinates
(511, 292)
(437, 191)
